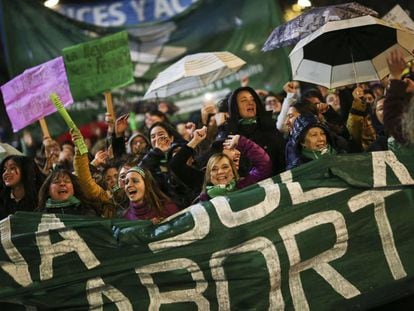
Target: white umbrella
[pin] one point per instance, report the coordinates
(193, 71)
(349, 51)
(6, 150)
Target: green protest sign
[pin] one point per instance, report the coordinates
(240, 27)
(333, 234)
(99, 65)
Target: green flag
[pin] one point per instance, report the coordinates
(99, 65)
(335, 233)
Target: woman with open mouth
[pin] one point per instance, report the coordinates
(247, 117)
(146, 200)
(61, 193)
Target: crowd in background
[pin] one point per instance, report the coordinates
(247, 136)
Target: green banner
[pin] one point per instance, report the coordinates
(333, 234)
(98, 66)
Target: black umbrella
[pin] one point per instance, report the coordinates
(293, 31)
(349, 51)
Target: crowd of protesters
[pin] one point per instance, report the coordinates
(247, 136)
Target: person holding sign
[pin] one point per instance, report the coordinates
(146, 201)
(92, 190)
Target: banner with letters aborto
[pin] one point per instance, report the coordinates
(334, 234)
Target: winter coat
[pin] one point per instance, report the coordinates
(189, 175)
(396, 99)
(381, 140)
(9, 206)
(263, 132)
(360, 125)
(261, 165)
(157, 162)
(301, 125)
(91, 189)
(142, 211)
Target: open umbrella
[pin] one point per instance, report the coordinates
(6, 150)
(193, 71)
(298, 28)
(349, 51)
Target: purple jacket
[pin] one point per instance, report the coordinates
(259, 159)
(142, 211)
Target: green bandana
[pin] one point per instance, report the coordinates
(214, 191)
(316, 154)
(247, 121)
(72, 201)
(138, 170)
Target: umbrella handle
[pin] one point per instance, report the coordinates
(353, 65)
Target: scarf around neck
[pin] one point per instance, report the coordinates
(316, 154)
(72, 201)
(217, 190)
(248, 121)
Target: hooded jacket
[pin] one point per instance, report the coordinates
(301, 125)
(129, 147)
(263, 132)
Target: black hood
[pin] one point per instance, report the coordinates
(232, 104)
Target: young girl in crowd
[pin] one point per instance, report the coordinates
(20, 183)
(61, 193)
(146, 201)
(164, 141)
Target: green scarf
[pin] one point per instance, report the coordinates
(316, 154)
(72, 201)
(393, 145)
(214, 191)
(247, 121)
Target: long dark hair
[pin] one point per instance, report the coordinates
(31, 178)
(264, 118)
(153, 195)
(169, 129)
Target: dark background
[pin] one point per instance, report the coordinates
(381, 6)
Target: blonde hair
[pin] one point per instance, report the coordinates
(211, 162)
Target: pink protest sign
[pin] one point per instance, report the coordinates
(26, 97)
